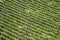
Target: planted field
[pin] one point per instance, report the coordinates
(30, 20)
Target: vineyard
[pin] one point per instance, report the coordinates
(29, 19)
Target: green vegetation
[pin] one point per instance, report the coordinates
(29, 20)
